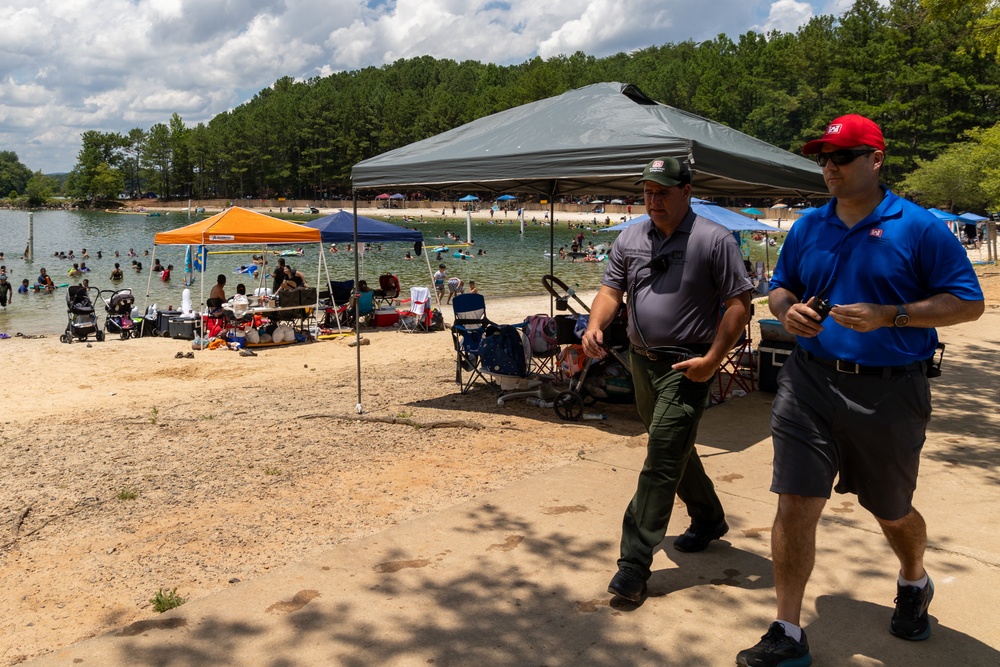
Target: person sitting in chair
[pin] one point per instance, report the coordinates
(219, 290)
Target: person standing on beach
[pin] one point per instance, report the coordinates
(678, 269)
(853, 399)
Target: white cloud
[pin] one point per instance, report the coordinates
(67, 66)
(787, 16)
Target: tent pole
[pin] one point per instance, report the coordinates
(552, 243)
(149, 285)
(357, 308)
(326, 269)
(430, 272)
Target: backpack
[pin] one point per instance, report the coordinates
(437, 320)
(542, 334)
(504, 350)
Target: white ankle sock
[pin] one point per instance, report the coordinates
(919, 583)
(792, 630)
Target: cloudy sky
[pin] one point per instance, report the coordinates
(67, 66)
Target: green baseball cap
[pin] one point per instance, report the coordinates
(666, 171)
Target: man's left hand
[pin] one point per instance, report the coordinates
(697, 369)
(863, 317)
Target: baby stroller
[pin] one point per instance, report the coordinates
(119, 310)
(590, 380)
(82, 321)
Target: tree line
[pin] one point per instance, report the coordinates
(922, 70)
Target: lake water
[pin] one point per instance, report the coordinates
(514, 264)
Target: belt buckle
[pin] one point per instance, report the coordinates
(848, 367)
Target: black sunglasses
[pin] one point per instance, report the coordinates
(842, 157)
(659, 263)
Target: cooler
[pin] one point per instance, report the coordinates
(386, 317)
(183, 329)
(163, 318)
(771, 355)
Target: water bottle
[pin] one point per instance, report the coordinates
(594, 416)
(539, 403)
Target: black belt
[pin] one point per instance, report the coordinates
(851, 368)
(659, 354)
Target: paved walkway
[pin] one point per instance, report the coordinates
(518, 577)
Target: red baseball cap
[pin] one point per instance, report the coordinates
(846, 132)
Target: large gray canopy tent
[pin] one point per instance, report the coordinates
(595, 139)
(592, 140)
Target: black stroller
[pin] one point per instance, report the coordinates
(119, 310)
(82, 321)
(590, 380)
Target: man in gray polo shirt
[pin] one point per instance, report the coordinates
(678, 270)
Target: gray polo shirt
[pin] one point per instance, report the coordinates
(681, 305)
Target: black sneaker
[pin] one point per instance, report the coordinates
(698, 539)
(628, 585)
(910, 620)
(776, 649)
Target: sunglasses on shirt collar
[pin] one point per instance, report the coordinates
(843, 156)
(659, 263)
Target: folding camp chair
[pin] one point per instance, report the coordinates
(388, 290)
(417, 317)
(358, 309)
(467, 333)
(336, 303)
(733, 373)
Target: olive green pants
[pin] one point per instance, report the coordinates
(670, 406)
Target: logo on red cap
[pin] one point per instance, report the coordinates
(846, 132)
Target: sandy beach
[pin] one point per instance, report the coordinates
(128, 470)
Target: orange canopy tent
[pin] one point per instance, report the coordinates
(238, 226)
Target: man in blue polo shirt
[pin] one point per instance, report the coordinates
(853, 400)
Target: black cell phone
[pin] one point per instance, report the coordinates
(822, 305)
(822, 308)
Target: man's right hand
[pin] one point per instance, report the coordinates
(593, 343)
(800, 319)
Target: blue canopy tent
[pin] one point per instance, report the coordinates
(506, 198)
(731, 220)
(942, 215)
(339, 228)
(348, 227)
(972, 217)
(734, 222)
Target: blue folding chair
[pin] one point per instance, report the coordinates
(466, 333)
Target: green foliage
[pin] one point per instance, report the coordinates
(127, 493)
(14, 176)
(965, 176)
(917, 67)
(39, 188)
(164, 600)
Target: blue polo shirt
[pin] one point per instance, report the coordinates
(898, 254)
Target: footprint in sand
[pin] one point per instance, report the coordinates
(299, 600)
(507, 545)
(397, 565)
(845, 508)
